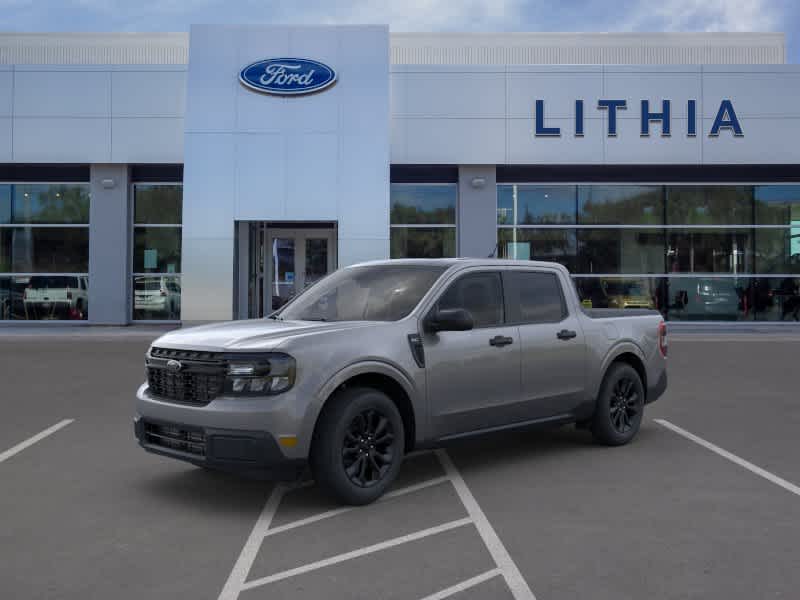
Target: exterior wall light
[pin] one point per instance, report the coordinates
(478, 182)
(108, 183)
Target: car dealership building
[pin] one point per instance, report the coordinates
(212, 175)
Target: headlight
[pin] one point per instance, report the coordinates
(260, 375)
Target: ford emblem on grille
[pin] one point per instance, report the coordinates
(287, 76)
(174, 365)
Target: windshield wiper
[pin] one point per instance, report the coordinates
(322, 319)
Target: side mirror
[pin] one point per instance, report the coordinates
(450, 319)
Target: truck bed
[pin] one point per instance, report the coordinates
(607, 313)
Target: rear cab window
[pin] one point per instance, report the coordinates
(534, 297)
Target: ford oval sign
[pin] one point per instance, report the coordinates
(287, 76)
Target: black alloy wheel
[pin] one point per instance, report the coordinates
(620, 406)
(624, 404)
(368, 448)
(358, 445)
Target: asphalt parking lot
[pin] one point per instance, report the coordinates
(704, 504)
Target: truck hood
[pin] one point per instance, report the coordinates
(247, 335)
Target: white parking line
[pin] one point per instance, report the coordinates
(345, 509)
(417, 535)
(464, 585)
(771, 477)
(32, 440)
(514, 579)
(248, 554)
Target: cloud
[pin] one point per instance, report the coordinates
(705, 15)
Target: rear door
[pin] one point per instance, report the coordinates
(552, 345)
(473, 377)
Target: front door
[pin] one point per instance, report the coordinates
(473, 377)
(296, 258)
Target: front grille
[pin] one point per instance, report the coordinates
(175, 438)
(200, 379)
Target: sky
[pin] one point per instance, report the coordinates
(414, 15)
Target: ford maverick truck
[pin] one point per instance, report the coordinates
(381, 358)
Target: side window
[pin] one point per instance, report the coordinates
(481, 294)
(534, 297)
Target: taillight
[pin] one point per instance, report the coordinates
(69, 295)
(662, 338)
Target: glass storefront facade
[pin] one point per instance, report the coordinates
(156, 285)
(423, 220)
(44, 251)
(693, 252)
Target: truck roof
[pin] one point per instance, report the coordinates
(465, 262)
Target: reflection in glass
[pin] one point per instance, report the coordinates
(44, 297)
(620, 251)
(535, 204)
(709, 298)
(419, 242)
(158, 204)
(53, 204)
(777, 205)
(778, 250)
(621, 292)
(157, 249)
(423, 204)
(709, 205)
(283, 271)
(156, 297)
(44, 250)
(710, 251)
(620, 204)
(556, 245)
(316, 260)
(776, 299)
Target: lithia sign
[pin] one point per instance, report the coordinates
(725, 120)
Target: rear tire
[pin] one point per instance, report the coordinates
(620, 406)
(358, 446)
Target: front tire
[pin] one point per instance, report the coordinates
(620, 406)
(358, 446)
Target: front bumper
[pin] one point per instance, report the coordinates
(250, 453)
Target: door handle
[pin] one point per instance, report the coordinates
(500, 340)
(566, 334)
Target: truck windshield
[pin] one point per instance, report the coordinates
(369, 293)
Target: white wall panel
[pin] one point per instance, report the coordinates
(455, 141)
(6, 95)
(212, 90)
(207, 265)
(352, 251)
(360, 215)
(630, 148)
(635, 85)
(525, 148)
(765, 141)
(558, 89)
(773, 94)
(209, 178)
(68, 93)
(260, 176)
(462, 94)
(60, 139)
(312, 171)
(147, 140)
(5, 140)
(148, 93)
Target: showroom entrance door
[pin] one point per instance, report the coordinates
(284, 260)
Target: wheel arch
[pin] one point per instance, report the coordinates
(383, 377)
(630, 354)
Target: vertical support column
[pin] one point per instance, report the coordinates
(477, 211)
(109, 242)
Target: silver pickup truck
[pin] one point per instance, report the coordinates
(381, 358)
